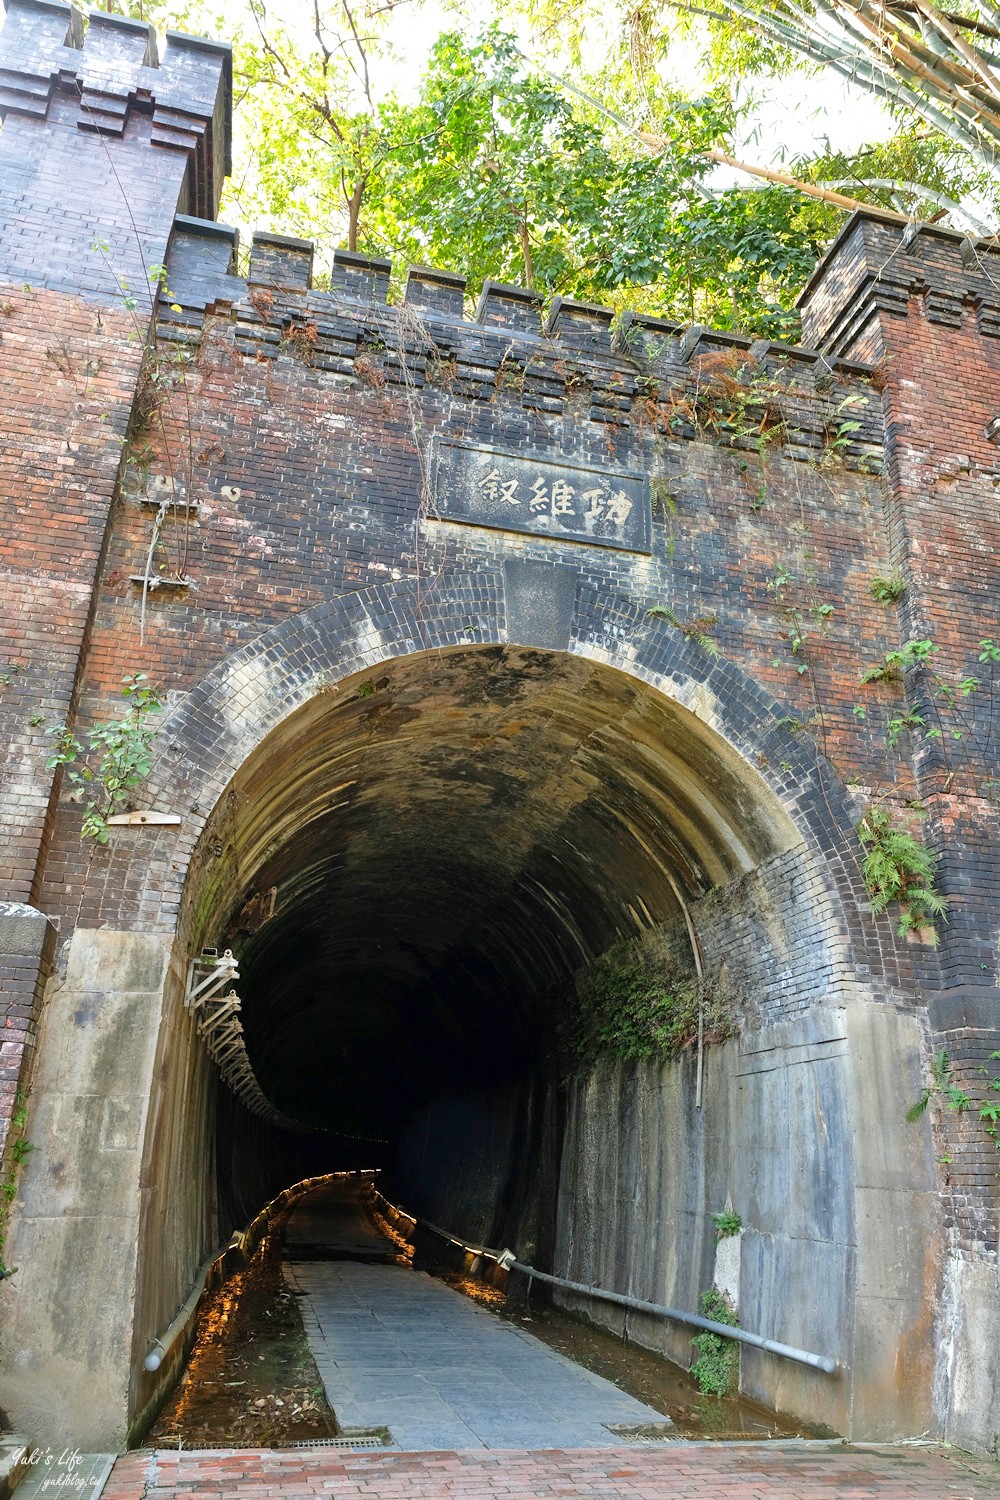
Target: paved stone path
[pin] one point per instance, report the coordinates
(397, 1349)
(674, 1471)
(470, 1368)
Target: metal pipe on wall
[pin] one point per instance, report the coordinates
(787, 1351)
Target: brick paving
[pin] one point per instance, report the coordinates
(688, 1471)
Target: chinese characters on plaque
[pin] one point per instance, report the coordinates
(542, 497)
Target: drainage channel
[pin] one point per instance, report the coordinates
(365, 1442)
(251, 1381)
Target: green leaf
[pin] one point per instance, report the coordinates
(916, 1110)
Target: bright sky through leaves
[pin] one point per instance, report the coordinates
(544, 144)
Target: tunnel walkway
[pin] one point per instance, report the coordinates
(397, 1349)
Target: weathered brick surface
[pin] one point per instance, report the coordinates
(681, 1470)
(58, 465)
(300, 425)
(80, 208)
(309, 484)
(21, 981)
(283, 443)
(927, 311)
(67, 381)
(82, 218)
(27, 945)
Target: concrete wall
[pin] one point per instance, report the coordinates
(802, 1133)
(486, 1166)
(967, 1387)
(66, 1333)
(179, 1225)
(119, 1200)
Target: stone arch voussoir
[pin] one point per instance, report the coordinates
(222, 721)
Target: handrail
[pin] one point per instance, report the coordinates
(755, 1340)
(507, 1261)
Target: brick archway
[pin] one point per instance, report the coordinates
(207, 738)
(154, 908)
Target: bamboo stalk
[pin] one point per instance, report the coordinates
(908, 51)
(961, 46)
(768, 174)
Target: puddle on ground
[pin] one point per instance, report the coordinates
(252, 1382)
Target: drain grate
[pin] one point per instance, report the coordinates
(379, 1437)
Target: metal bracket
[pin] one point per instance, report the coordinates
(143, 819)
(207, 974)
(217, 1018)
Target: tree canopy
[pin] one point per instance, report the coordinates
(599, 184)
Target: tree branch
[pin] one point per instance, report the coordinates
(366, 82)
(657, 144)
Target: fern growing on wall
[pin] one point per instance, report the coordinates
(897, 868)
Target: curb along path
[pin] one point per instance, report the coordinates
(674, 1471)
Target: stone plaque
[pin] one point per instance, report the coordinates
(552, 497)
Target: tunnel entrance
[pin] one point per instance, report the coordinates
(417, 854)
(427, 855)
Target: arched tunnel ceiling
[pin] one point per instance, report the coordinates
(448, 838)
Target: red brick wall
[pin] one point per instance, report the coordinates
(945, 526)
(929, 311)
(67, 379)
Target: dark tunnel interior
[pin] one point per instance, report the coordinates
(430, 851)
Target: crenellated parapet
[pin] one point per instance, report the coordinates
(640, 370)
(104, 140)
(880, 266)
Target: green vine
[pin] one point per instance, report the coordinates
(800, 610)
(637, 1007)
(18, 1150)
(895, 663)
(897, 868)
(946, 709)
(951, 693)
(718, 1360)
(116, 757)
